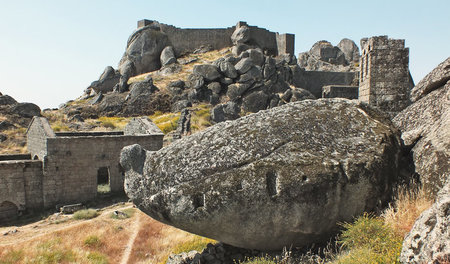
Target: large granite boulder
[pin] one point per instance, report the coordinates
(143, 51)
(108, 79)
(167, 56)
(350, 50)
(434, 80)
(26, 110)
(425, 127)
(429, 239)
(280, 177)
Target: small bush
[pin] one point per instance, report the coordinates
(92, 241)
(85, 214)
(127, 213)
(369, 240)
(97, 258)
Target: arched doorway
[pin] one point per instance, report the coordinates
(8, 211)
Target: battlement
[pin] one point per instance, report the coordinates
(381, 42)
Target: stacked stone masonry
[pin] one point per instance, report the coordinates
(384, 74)
(65, 166)
(186, 40)
(340, 91)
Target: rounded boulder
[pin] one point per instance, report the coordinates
(281, 177)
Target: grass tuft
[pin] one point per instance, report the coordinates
(13, 256)
(92, 241)
(103, 188)
(408, 205)
(369, 240)
(97, 258)
(167, 122)
(85, 214)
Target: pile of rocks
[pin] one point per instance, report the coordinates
(323, 56)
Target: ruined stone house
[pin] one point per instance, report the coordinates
(67, 167)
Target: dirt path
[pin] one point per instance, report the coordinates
(129, 247)
(42, 228)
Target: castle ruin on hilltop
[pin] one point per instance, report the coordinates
(67, 167)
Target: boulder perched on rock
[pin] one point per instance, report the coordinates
(429, 239)
(434, 80)
(107, 81)
(281, 177)
(425, 127)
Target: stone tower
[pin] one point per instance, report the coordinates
(384, 79)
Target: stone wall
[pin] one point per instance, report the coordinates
(384, 74)
(340, 91)
(37, 133)
(21, 183)
(72, 164)
(187, 40)
(313, 81)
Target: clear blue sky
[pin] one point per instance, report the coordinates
(52, 50)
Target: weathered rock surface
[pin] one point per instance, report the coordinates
(434, 80)
(108, 79)
(26, 109)
(429, 239)
(167, 56)
(7, 100)
(425, 127)
(267, 180)
(143, 51)
(208, 71)
(323, 56)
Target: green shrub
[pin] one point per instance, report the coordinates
(85, 214)
(369, 240)
(97, 258)
(92, 241)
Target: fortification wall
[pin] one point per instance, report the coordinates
(187, 40)
(72, 164)
(21, 183)
(313, 81)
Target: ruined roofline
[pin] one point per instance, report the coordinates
(145, 125)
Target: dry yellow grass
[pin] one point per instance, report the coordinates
(408, 205)
(99, 240)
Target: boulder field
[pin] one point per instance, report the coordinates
(280, 177)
